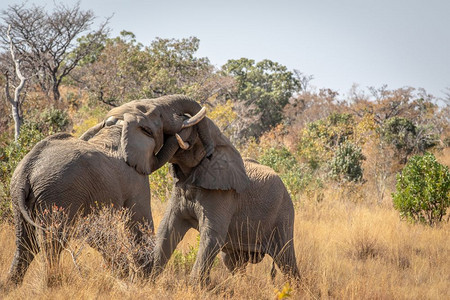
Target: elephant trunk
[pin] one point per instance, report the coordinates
(191, 107)
(171, 146)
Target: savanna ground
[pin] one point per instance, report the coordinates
(350, 241)
(345, 250)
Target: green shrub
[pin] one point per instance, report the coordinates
(161, 184)
(297, 177)
(346, 163)
(278, 159)
(320, 138)
(184, 261)
(423, 190)
(406, 137)
(54, 120)
(11, 153)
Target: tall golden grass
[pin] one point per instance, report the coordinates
(345, 249)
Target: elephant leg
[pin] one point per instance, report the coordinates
(212, 239)
(26, 248)
(235, 261)
(141, 211)
(142, 224)
(284, 257)
(170, 232)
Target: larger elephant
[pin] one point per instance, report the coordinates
(240, 208)
(108, 165)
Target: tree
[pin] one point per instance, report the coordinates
(406, 137)
(46, 41)
(174, 68)
(117, 73)
(266, 85)
(346, 163)
(16, 101)
(320, 139)
(124, 70)
(423, 190)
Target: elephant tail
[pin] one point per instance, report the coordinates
(23, 195)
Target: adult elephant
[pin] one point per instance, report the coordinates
(240, 208)
(156, 117)
(109, 164)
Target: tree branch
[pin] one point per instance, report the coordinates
(17, 66)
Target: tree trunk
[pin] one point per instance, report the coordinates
(55, 87)
(17, 121)
(15, 103)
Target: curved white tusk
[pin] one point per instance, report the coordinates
(183, 145)
(195, 119)
(111, 121)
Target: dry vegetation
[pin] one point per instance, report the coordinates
(345, 250)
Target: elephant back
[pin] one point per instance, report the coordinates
(266, 190)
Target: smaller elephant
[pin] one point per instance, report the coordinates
(77, 175)
(240, 207)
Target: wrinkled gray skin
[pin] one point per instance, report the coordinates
(76, 174)
(156, 117)
(240, 207)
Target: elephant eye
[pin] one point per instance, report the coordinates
(147, 131)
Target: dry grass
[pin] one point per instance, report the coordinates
(345, 250)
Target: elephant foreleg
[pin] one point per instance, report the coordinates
(142, 229)
(170, 232)
(211, 242)
(284, 258)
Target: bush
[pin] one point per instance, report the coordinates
(161, 184)
(184, 260)
(423, 190)
(406, 137)
(346, 163)
(54, 120)
(109, 231)
(11, 153)
(296, 176)
(320, 139)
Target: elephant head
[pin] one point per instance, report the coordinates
(146, 122)
(223, 170)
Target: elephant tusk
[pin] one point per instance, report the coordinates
(183, 145)
(111, 121)
(195, 119)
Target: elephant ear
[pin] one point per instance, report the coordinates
(223, 170)
(140, 140)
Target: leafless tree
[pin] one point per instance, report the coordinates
(303, 79)
(48, 42)
(16, 101)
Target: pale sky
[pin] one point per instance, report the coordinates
(340, 42)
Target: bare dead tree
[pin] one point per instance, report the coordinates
(48, 41)
(303, 79)
(16, 101)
